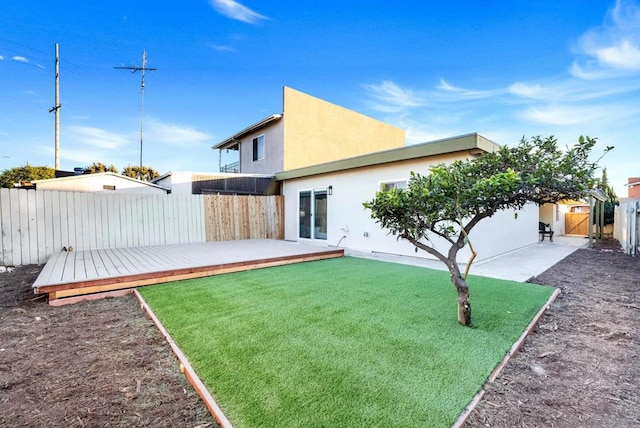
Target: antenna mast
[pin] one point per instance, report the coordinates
(56, 109)
(142, 69)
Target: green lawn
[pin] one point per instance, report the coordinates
(344, 342)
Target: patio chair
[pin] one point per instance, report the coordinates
(545, 229)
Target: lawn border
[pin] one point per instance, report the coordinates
(186, 369)
(462, 419)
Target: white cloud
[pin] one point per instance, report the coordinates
(222, 48)
(573, 114)
(612, 47)
(527, 90)
(389, 97)
(558, 115)
(172, 133)
(99, 138)
(20, 59)
(234, 10)
(622, 55)
(1, 57)
(446, 90)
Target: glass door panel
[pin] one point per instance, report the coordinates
(305, 215)
(320, 214)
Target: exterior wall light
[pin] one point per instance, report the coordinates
(330, 190)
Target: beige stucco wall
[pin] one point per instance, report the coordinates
(349, 224)
(316, 131)
(273, 151)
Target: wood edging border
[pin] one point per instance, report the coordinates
(186, 369)
(462, 419)
(95, 296)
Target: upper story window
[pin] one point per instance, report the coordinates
(395, 184)
(258, 148)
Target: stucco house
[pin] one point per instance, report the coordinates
(309, 131)
(99, 182)
(323, 203)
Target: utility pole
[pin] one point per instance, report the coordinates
(56, 109)
(142, 69)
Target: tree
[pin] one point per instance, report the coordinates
(146, 174)
(450, 201)
(612, 199)
(10, 177)
(97, 167)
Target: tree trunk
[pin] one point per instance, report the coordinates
(464, 307)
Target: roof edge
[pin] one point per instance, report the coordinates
(415, 151)
(251, 128)
(97, 174)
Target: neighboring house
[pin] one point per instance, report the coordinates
(99, 182)
(633, 187)
(196, 183)
(323, 203)
(310, 131)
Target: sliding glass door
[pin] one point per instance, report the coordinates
(313, 214)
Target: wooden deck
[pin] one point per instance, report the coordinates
(77, 273)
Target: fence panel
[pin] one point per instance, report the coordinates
(35, 224)
(234, 217)
(627, 226)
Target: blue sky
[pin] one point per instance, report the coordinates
(504, 69)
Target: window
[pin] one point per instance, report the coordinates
(395, 184)
(108, 187)
(258, 148)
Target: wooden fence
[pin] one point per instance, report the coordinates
(35, 224)
(230, 218)
(577, 224)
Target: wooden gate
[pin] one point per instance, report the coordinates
(576, 224)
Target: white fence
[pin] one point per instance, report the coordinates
(35, 224)
(627, 226)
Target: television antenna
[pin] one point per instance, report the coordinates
(142, 69)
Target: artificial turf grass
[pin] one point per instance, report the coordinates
(342, 342)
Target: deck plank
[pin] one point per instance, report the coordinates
(118, 265)
(109, 269)
(90, 265)
(131, 267)
(98, 264)
(52, 268)
(96, 271)
(68, 272)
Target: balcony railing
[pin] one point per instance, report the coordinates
(231, 167)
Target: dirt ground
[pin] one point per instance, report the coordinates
(93, 364)
(103, 363)
(581, 367)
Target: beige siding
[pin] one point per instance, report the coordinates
(316, 131)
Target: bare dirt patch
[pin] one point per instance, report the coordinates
(92, 364)
(581, 367)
